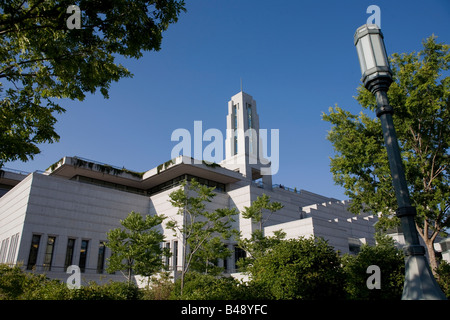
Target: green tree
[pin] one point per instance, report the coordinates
(199, 226)
(256, 246)
(136, 248)
(443, 273)
(420, 96)
(41, 60)
(207, 258)
(256, 211)
(388, 258)
(304, 268)
(17, 284)
(159, 287)
(207, 287)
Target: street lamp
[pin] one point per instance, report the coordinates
(377, 77)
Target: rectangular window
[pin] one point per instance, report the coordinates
(3, 250)
(13, 248)
(101, 257)
(167, 258)
(48, 258)
(354, 245)
(32, 257)
(238, 254)
(69, 253)
(225, 261)
(83, 255)
(175, 255)
(235, 122)
(249, 116)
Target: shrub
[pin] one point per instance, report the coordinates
(207, 287)
(443, 272)
(304, 268)
(391, 262)
(160, 288)
(16, 284)
(109, 291)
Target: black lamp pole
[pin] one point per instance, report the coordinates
(420, 283)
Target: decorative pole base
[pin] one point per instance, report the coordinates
(419, 280)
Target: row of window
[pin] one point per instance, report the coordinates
(178, 180)
(161, 187)
(110, 185)
(235, 122)
(69, 254)
(50, 243)
(238, 254)
(8, 249)
(250, 125)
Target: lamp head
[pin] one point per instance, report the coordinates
(373, 60)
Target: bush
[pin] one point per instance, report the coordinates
(304, 268)
(443, 272)
(160, 289)
(11, 282)
(16, 284)
(109, 291)
(206, 287)
(391, 262)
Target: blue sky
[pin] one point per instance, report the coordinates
(296, 58)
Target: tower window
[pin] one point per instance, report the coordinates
(235, 123)
(235, 116)
(249, 115)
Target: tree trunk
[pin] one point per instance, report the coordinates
(429, 243)
(431, 255)
(130, 269)
(182, 283)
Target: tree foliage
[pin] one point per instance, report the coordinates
(256, 211)
(136, 248)
(388, 258)
(304, 268)
(258, 244)
(199, 286)
(443, 279)
(201, 231)
(420, 97)
(41, 60)
(16, 284)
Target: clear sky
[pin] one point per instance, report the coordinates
(296, 58)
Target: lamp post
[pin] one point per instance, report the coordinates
(377, 77)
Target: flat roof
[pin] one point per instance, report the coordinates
(69, 167)
(11, 177)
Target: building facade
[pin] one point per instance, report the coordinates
(57, 218)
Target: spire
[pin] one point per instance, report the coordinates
(243, 147)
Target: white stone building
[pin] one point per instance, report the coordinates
(50, 220)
